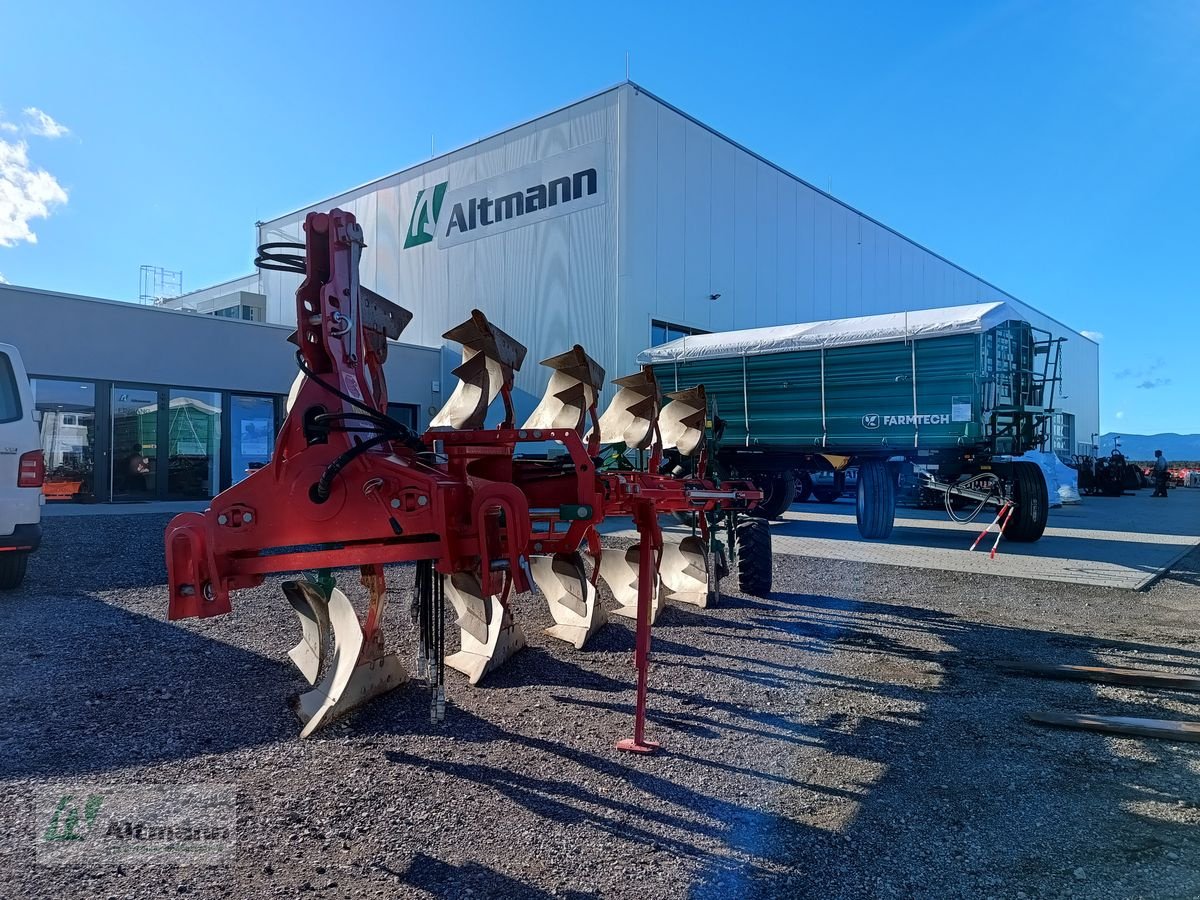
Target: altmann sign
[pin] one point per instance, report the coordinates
(873, 420)
(556, 186)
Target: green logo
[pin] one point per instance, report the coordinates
(64, 824)
(425, 215)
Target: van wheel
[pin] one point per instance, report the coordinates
(779, 489)
(875, 502)
(753, 538)
(831, 493)
(1033, 503)
(12, 569)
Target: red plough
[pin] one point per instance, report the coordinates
(349, 486)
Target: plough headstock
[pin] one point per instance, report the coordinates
(349, 486)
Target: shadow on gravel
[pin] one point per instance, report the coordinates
(89, 687)
(447, 881)
(968, 788)
(661, 818)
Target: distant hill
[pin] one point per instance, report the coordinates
(1175, 447)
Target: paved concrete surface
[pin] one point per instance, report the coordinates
(1123, 542)
(150, 507)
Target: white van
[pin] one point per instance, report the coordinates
(22, 470)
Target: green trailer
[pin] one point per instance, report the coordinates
(933, 401)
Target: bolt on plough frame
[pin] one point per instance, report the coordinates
(350, 486)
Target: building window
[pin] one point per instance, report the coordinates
(134, 442)
(662, 332)
(404, 412)
(1063, 434)
(65, 412)
(193, 444)
(252, 421)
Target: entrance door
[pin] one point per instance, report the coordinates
(135, 463)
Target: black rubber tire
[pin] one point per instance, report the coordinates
(833, 492)
(1033, 503)
(779, 488)
(875, 500)
(12, 569)
(753, 539)
(803, 487)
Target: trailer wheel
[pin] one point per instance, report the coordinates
(1033, 503)
(778, 490)
(753, 538)
(803, 486)
(875, 501)
(12, 569)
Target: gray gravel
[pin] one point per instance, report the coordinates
(850, 736)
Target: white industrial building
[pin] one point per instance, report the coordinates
(617, 222)
(680, 230)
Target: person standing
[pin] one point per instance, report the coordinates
(1160, 474)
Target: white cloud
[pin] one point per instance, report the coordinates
(3, 280)
(26, 193)
(1096, 336)
(40, 124)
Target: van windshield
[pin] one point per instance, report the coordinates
(10, 398)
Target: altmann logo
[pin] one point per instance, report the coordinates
(556, 186)
(423, 224)
(482, 212)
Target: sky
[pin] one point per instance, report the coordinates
(1050, 148)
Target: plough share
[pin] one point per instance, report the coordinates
(350, 486)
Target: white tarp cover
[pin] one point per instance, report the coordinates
(1062, 482)
(915, 325)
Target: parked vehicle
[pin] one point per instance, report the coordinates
(949, 396)
(22, 470)
(1109, 476)
(829, 486)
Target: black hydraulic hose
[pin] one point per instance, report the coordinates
(282, 262)
(399, 430)
(331, 471)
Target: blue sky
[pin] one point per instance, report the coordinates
(1052, 148)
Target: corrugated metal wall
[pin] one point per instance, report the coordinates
(701, 216)
(546, 284)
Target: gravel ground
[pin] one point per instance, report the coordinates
(850, 736)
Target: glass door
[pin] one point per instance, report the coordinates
(134, 443)
(252, 427)
(193, 444)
